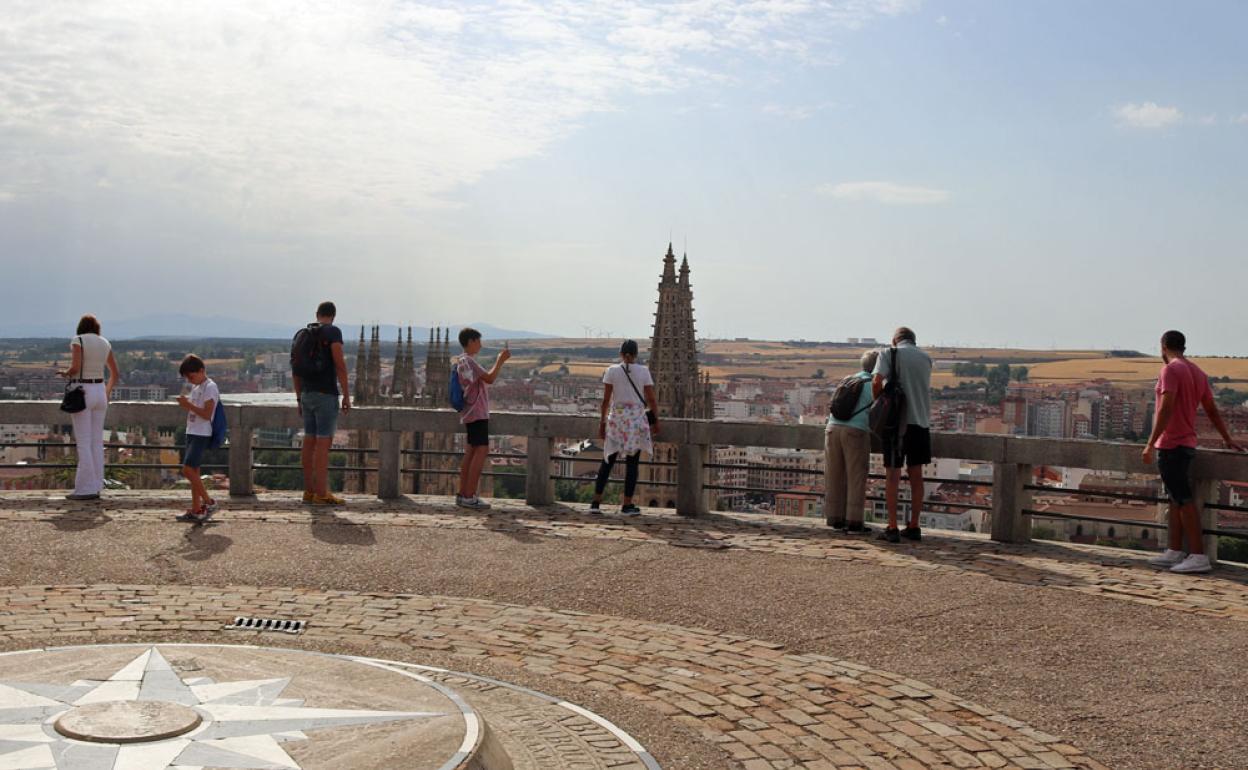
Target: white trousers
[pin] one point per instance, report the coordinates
(89, 435)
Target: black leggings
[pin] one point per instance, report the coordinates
(632, 465)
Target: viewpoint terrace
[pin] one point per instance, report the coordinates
(711, 640)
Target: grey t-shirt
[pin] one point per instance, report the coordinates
(916, 380)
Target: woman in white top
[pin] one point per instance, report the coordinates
(628, 390)
(91, 353)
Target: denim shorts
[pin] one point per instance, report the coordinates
(320, 413)
(195, 446)
(1174, 465)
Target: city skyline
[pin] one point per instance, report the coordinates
(1039, 178)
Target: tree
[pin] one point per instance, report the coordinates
(509, 483)
(819, 374)
(998, 381)
(1020, 373)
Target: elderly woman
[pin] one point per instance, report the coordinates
(625, 429)
(90, 354)
(847, 452)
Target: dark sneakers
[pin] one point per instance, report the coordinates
(912, 533)
(630, 510)
(891, 535)
(595, 507)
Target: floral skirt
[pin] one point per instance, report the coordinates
(627, 430)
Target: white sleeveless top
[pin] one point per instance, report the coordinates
(95, 350)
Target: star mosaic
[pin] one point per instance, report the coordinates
(244, 722)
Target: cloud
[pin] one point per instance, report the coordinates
(1147, 115)
(1242, 118)
(388, 103)
(793, 111)
(889, 193)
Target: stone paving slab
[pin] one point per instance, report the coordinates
(767, 708)
(1098, 571)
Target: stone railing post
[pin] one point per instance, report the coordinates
(1206, 491)
(1009, 498)
(539, 487)
(389, 464)
(242, 481)
(691, 460)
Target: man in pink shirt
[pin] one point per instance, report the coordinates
(1181, 387)
(475, 416)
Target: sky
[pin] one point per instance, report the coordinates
(989, 173)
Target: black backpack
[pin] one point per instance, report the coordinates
(888, 411)
(308, 357)
(845, 398)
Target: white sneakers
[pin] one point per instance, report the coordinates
(1168, 558)
(1196, 562)
(1177, 561)
(471, 503)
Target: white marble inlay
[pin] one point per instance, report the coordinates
(245, 722)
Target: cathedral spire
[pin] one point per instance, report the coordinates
(669, 266)
(360, 360)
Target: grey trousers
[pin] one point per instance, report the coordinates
(846, 458)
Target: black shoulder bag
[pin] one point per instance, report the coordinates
(650, 418)
(75, 399)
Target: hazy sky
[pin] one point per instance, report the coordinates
(1033, 174)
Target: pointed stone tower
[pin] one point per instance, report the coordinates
(361, 360)
(397, 372)
(373, 375)
(679, 386)
(409, 372)
(681, 390)
(442, 480)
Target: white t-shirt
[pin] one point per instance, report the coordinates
(95, 350)
(621, 392)
(201, 394)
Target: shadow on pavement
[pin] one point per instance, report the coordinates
(330, 528)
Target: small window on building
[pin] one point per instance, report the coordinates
(1111, 531)
(1078, 530)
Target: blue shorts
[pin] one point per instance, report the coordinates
(195, 446)
(320, 414)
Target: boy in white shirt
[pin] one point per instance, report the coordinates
(200, 406)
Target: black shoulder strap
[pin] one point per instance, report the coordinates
(896, 371)
(630, 382)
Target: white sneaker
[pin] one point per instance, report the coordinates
(1168, 558)
(1196, 562)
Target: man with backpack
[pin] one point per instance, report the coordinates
(320, 375)
(847, 450)
(901, 417)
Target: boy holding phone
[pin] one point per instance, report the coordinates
(475, 417)
(200, 405)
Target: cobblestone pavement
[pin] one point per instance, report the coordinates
(1137, 667)
(1105, 572)
(764, 707)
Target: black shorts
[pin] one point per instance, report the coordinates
(1175, 465)
(478, 432)
(915, 448)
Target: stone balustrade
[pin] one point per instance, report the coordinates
(1013, 458)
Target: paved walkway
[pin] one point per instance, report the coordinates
(1110, 573)
(725, 642)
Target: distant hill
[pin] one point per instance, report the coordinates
(185, 326)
